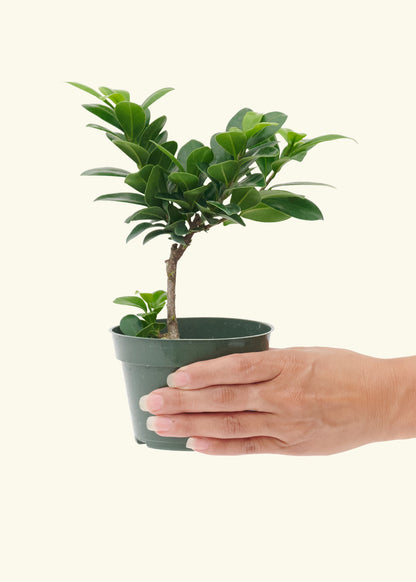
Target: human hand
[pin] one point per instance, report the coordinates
(296, 401)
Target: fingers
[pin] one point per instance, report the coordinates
(233, 369)
(217, 425)
(235, 398)
(248, 446)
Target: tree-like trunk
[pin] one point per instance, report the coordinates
(176, 252)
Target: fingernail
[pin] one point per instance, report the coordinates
(158, 423)
(197, 444)
(151, 402)
(178, 380)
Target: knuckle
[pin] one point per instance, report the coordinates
(223, 395)
(250, 446)
(231, 425)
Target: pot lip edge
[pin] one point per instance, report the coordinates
(269, 325)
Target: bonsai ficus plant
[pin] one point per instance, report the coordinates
(191, 190)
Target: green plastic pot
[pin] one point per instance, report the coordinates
(147, 362)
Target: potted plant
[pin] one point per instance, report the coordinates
(179, 194)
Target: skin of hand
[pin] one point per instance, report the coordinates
(295, 401)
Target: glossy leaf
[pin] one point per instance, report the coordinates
(130, 197)
(106, 172)
(131, 118)
(307, 145)
(153, 235)
(224, 172)
(118, 97)
(86, 89)
(291, 136)
(195, 194)
(131, 325)
(261, 126)
(228, 209)
(155, 96)
(253, 180)
(138, 180)
(105, 113)
(199, 160)
(245, 197)
(265, 165)
(153, 130)
(220, 154)
(134, 151)
(169, 155)
(115, 135)
(184, 180)
(187, 149)
(181, 228)
(278, 164)
(158, 157)
(151, 213)
(234, 142)
(178, 239)
(237, 119)
(250, 120)
(293, 205)
(156, 184)
(138, 229)
(264, 213)
(131, 301)
(234, 218)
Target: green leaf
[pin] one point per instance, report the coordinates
(187, 149)
(219, 153)
(131, 301)
(119, 96)
(228, 209)
(134, 151)
(156, 184)
(250, 120)
(224, 172)
(131, 325)
(261, 126)
(195, 194)
(181, 228)
(131, 118)
(159, 297)
(170, 156)
(245, 197)
(158, 157)
(253, 180)
(234, 218)
(291, 136)
(265, 165)
(105, 113)
(138, 180)
(301, 184)
(237, 119)
(153, 130)
(234, 142)
(178, 239)
(105, 172)
(278, 164)
(138, 229)
(130, 197)
(153, 235)
(264, 213)
(307, 145)
(293, 205)
(198, 160)
(113, 134)
(184, 180)
(155, 96)
(151, 213)
(85, 88)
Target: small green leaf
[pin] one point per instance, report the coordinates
(118, 96)
(181, 228)
(131, 325)
(112, 134)
(187, 149)
(138, 229)
(307, 145)
(178, 239)
(245, 198)
(253, 180)
(156, 184)
(158, 157)
(153, 130)
(153, 235)
(105, 113)
(234, 142)
(198, 160)
(131, 118)
(85, 88)
(155, 96)
(228, 209)
(130, 197)
(106, 172)
(264, 213)
(237, 119)
(250, 120)
(261, 126)
(278, 164)
(151, 213)
(219, 153)
(159, 297)
(131, 301)
(168, 153)
(138, 180)
(184, 180)
(134, 151)
(224, 172)
(236, 219)
(293, 205)
(195, 194)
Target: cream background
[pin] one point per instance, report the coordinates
(80, 500)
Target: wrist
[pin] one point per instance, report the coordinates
(401, 398)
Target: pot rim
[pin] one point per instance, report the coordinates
(235, 337)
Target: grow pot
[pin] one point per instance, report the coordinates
(147, 362)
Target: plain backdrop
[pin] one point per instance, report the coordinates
(80, 500)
